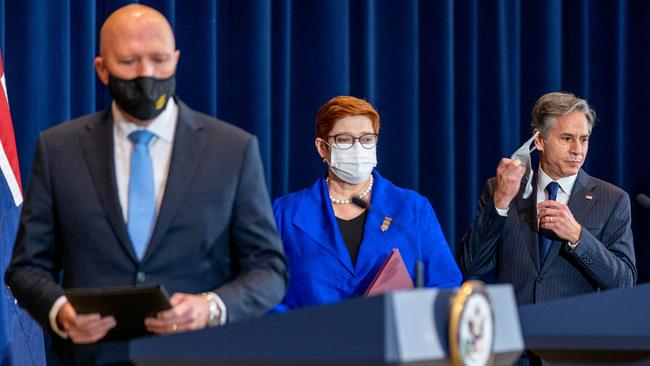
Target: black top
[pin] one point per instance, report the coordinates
(352, 232)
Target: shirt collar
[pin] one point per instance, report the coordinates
(162, 126)
(566, 183)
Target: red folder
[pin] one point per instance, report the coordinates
(391, 276)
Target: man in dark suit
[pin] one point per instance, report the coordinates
(571, 235)
(146, 192)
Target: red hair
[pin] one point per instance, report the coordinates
(340, 107)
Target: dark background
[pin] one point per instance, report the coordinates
(454, 81)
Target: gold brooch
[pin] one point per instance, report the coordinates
(386, 223)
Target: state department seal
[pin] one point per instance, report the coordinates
(471, 326)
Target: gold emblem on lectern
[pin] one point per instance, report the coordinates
(471, 326)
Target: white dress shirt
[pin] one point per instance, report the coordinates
(563, 194)
(160, 151)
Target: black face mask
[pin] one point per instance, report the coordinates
(145, 97)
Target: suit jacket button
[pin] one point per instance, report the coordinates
(141, 277)
(540, 280)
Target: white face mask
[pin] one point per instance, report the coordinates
(353, 165)
(523, 154)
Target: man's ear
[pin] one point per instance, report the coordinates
(102, 71)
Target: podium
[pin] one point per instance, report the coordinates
(609, 327)
(398, 328)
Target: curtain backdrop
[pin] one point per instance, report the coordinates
(454, 81)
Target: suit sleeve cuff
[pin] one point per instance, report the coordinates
(223, 311)
(572, 247)
(53, 313)
(502, 211)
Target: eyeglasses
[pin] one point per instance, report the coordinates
(345, 141)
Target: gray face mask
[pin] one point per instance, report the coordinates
(523, 155)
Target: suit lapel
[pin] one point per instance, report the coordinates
(315, 217)
(582, 196)
(189, 142)
(376, 241)
(97, 146)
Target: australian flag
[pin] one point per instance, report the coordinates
(21, 339)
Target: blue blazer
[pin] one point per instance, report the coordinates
(321, 269)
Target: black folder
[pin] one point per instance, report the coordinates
(129, 305)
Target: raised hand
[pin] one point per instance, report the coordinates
(509, 174)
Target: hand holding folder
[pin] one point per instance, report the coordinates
(392, 276)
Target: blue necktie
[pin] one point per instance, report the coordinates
(544, 241)
(142, 199)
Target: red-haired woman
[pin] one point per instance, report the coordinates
(335, 247)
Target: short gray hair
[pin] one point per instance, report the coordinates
(551, 106)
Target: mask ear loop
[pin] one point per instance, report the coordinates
(323, 159)
(529, 184)
(532, 140)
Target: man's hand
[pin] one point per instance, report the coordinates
(188, 312)
(509, 174)
(557, 217)
(86, 328)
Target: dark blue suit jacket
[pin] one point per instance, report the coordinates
(604, 258)
(214, 232)
(321, 268)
